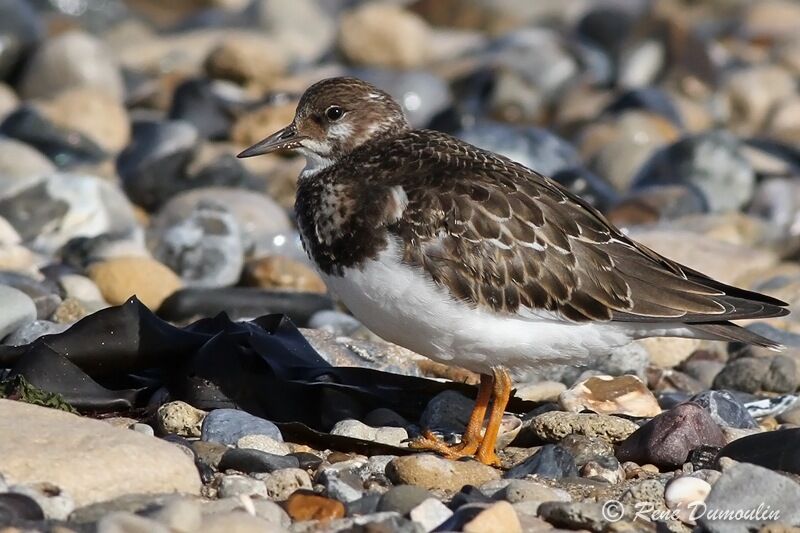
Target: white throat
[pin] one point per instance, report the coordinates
(314, 162)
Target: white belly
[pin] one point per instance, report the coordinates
(405, 307)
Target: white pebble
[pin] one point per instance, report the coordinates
(430, 514)
(684, 494)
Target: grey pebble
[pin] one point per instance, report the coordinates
(18, 310)
(227, 426)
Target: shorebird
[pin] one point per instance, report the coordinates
(473, 260)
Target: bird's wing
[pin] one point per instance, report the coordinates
(502, 237)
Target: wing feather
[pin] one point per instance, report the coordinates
(504, 238)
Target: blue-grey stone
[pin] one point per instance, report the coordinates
(32, 331)
(205, 249)
(725, 409)
(711, 161)
(343, 484)
(227, 426)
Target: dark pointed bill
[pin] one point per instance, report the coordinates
(285, 139)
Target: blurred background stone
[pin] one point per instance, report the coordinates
(119, 126)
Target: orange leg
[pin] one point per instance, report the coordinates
(471, 439)
(502, 393)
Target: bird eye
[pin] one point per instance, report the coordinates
(334, 112)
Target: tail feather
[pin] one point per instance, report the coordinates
(728, 331)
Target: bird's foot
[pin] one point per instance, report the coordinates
(430, 442)
(488, 458)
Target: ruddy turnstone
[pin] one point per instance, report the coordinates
(471, 259)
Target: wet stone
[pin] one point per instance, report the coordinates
(242, 303)
(652, 99)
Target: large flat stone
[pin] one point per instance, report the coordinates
(92, 460)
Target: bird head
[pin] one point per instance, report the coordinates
(334, 117)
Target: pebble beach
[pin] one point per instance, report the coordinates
(170, 361)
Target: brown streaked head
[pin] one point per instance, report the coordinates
(335, 116)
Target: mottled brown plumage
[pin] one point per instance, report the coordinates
(474, 260)
(501, 236)
(495, 234)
